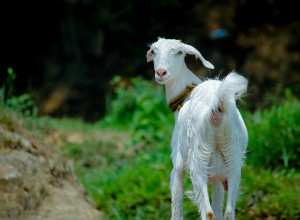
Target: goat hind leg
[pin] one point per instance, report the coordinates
(232, 194)
(201, 198)
(217, 199)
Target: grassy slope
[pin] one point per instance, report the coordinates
(132, 181)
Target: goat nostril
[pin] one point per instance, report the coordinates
(161, 72)
(164, 73)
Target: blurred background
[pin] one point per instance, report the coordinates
(64, 53)
(81, 115)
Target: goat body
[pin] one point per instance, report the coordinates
(214, 152)
(210, 138)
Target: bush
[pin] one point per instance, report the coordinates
(274, 135)
(142, 108)
(21, 103)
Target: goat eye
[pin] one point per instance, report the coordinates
(152, 52)
(179, 53)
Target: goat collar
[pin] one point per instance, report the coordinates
(176, 103)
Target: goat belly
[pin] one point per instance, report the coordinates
(218, 169)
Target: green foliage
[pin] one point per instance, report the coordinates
(274, 135)
(129, 178)
(142, 108)
(9, 83)
(269, 194)
(7, 118)
(133, 189)
(22, 103)
(137, 188)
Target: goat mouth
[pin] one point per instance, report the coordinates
(161, 80)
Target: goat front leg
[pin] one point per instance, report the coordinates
(177, 193)
(232, 194)
(176, 185)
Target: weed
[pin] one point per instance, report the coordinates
(22, 103)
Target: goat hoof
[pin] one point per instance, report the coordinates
(228, 216)
(210, 215)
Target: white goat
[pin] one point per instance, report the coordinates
(209, 138)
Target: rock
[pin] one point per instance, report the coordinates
(39, 185)
(22, 184)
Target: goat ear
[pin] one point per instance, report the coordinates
(193, 51)
(149, 56)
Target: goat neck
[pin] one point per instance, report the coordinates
(177, 85)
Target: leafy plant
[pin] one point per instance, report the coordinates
(142, 108)
(269, 194)
(22, 103)
(259, 183)
(274, 135)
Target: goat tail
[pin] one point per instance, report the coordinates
(213, 94)
(234, 85)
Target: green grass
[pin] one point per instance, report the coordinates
(274, 135)
(137, 186)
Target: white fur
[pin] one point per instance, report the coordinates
(210, 151)
(214, 152)
(164, 54)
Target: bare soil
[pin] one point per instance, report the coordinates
(36, 182)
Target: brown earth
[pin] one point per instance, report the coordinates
(36, 182)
